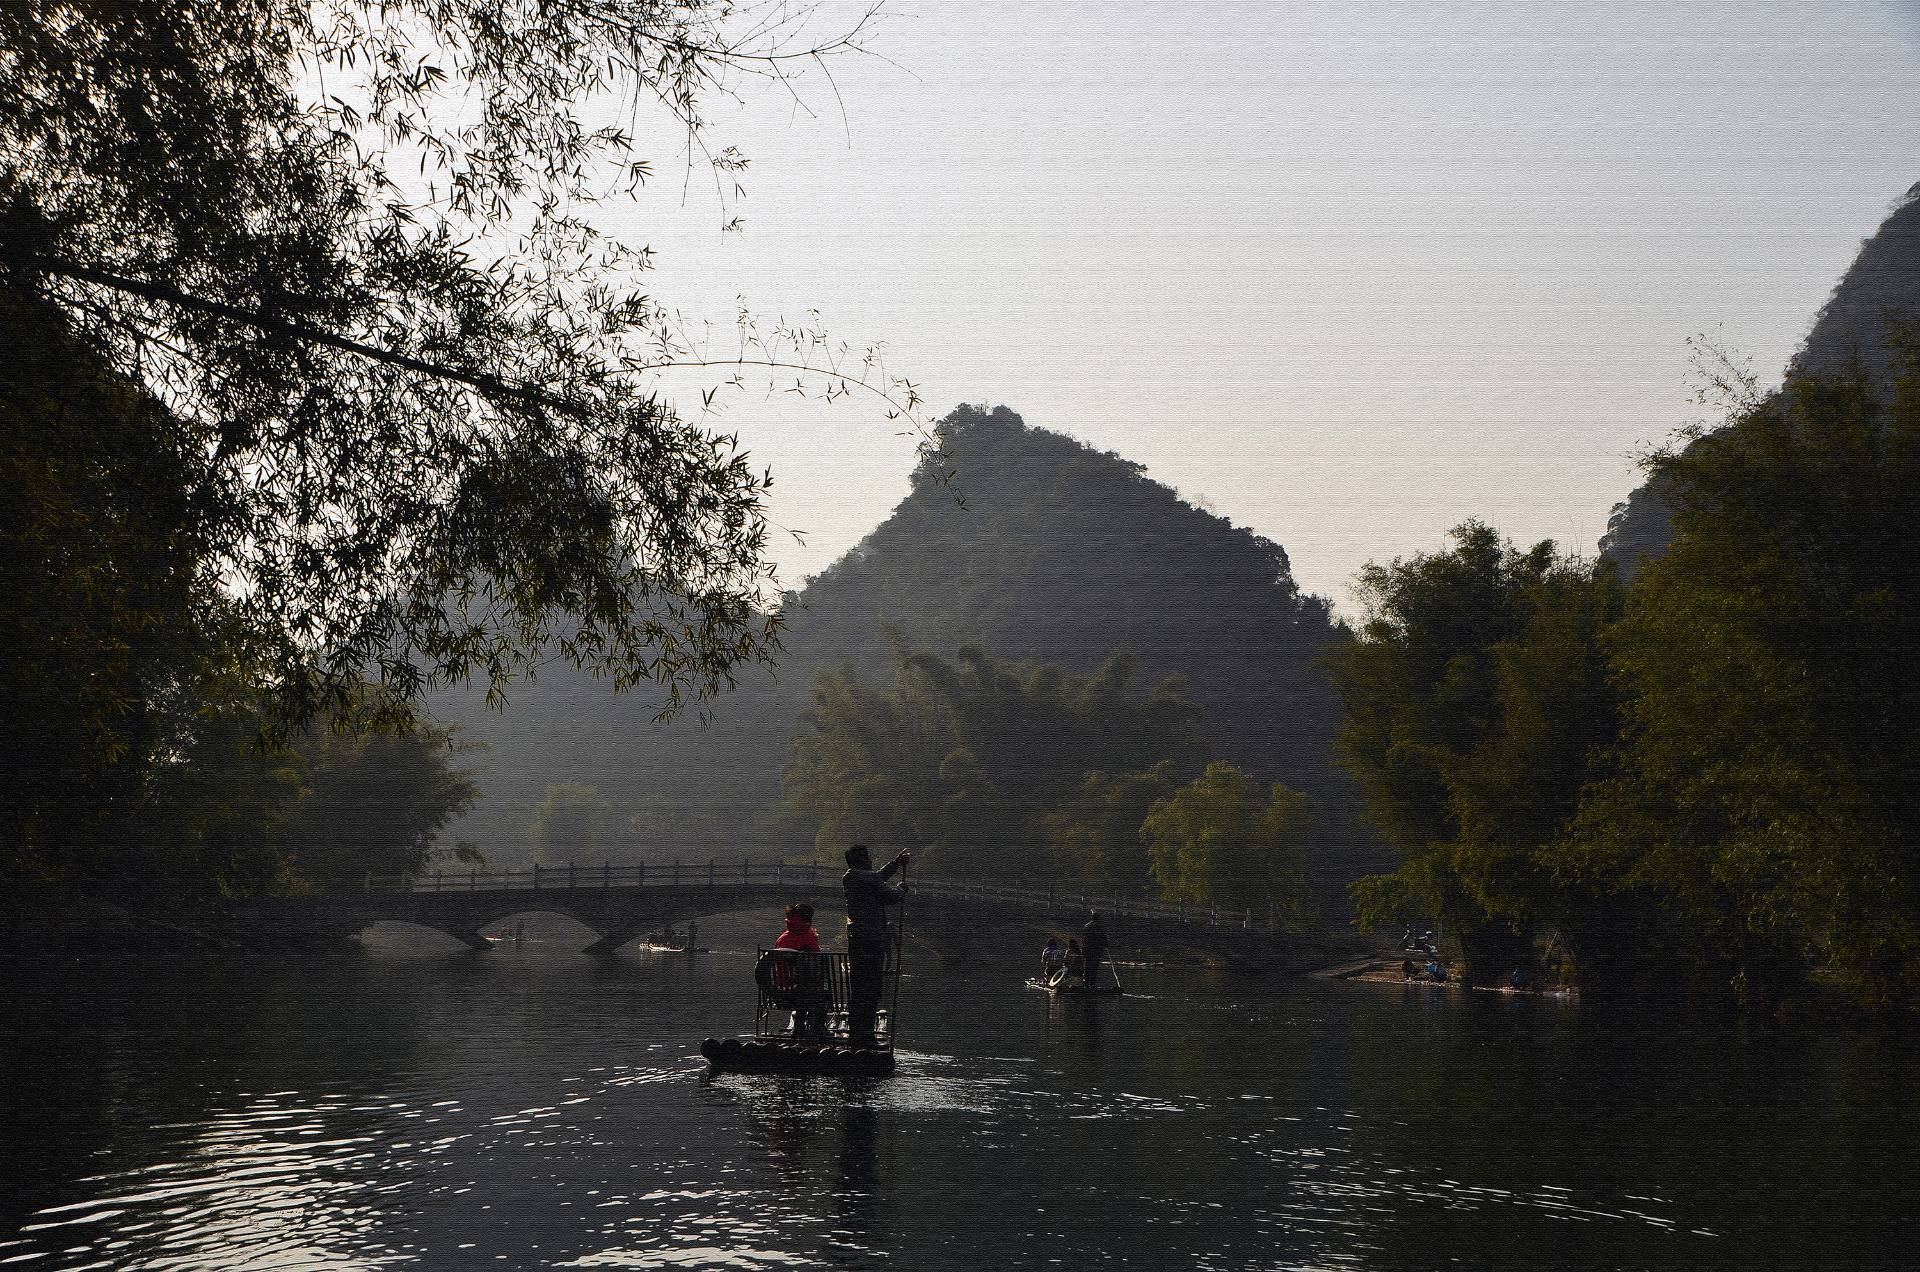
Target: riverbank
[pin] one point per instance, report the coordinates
(53, 926)
(1384, 968)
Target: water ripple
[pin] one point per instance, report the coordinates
(567, 1129)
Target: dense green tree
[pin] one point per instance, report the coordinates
(409, 370)
(132, 744)
(1853, 328)
(661, 829)
(1095, 835)
(225, 814)
(570, 824)
(1224, 840)
(100, 567)
(1771, 755)
(217, 817)
(1477, 708)
(374, 803)
(967, 759)
(312, 339)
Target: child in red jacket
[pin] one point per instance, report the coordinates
(799, 934)
(801, 937)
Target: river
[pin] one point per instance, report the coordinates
(533, 1107)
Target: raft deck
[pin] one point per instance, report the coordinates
(796, 1055)
(1070, 987)
(800, 1020)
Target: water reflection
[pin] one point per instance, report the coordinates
(198, 1124)
(546, 1110)
(856, 1237)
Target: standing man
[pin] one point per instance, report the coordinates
(1093, 947)
(868, 896)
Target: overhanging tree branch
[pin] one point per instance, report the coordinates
(326, 366)
(166, 294)
(488, 384)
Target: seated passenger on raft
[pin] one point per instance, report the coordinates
(1073, 964)
(800, 937)
(1053, 957)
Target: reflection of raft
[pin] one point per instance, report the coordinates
(1074, 989)
(776, 1055)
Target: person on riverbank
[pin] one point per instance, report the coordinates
(1053, 957)
(1093, 948)
(868, 896)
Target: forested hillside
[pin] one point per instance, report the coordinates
(1705, 779)
(1860, 320)
(1042, 550)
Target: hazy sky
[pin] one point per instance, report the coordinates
(1350, 274)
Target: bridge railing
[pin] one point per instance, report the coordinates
(809, 875)
(573, 875)
(1050, 900)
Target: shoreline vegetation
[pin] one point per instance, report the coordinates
(1683, 784)
(284, 454)
(1701, 777)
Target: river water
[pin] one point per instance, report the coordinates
(533, 1107)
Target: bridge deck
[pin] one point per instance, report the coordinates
(620, 903)
(775, 876)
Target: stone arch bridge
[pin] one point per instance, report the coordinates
(619, 904)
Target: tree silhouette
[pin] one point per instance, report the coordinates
(347, 248)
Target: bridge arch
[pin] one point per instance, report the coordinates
(614, 916)
(619, 905)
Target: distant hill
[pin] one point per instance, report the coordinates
(1883, 282)
(1060, 554)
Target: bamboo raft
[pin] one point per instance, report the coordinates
(1069, 983)
(791, 1055)
(800, 1020)
(1074, 989)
